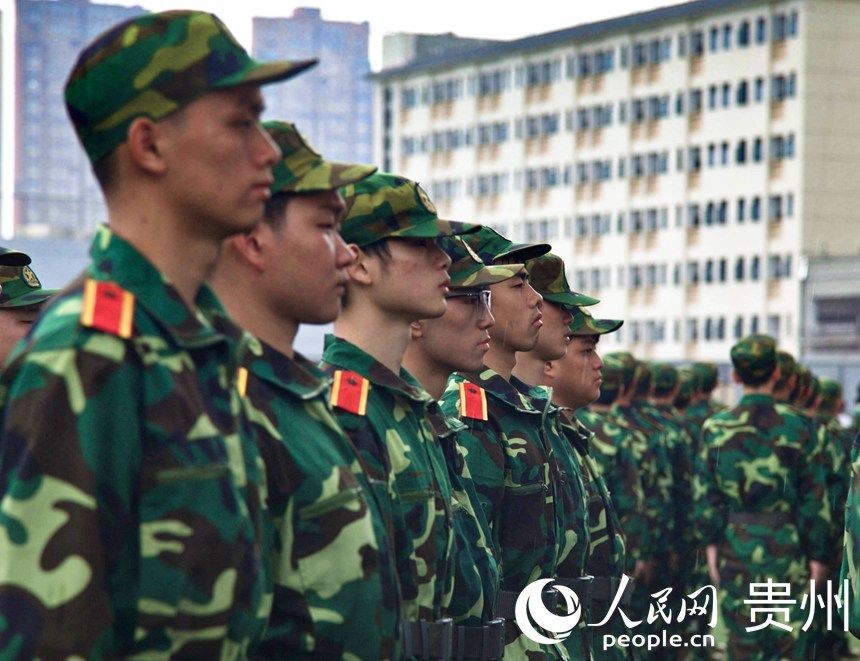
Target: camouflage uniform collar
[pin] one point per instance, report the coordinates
(297, 376)
(574, 428)
(116, 260)
(756, 398)
(442, 425)
(539, 396)
(496, 385)
(343, 353)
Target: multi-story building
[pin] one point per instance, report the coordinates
(683, 160)
(55, 191)
(331, 104)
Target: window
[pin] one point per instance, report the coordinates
(741, 93)
(739, 327)
(724, 153)
(695, 100)
(755, 209)
(709, 271)
(727, 95)
(692, 273)
(692, 330)
(789, 205)
(780, 27)
(693, 215)
(708, 334)
(741, 210)
(727, 36)
(759, 90)
(710, 214)
(712, 155)
(744, 34)
(682, 45)
(695, 159)
(757, 150)
(740, 269)
(721, 328)
(792, 24)
(741, 152)
(697, 43)
(753, 324)
(714, 42)
(712, 97)
(773, 325)
(722, 270)
(679, 103)
(760, 30)
(755, 268)
(722, 214)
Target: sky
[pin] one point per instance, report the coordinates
(467, 18)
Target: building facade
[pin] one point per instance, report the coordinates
(331, 104)
(55, 191)
(683, 161)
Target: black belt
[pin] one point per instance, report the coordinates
(428, 640)
(762, 518)
(604, 589)
(506, 602)
(486, 642)
(582, 585)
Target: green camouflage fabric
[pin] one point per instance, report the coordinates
(616, 451)
(517, 480)
(11, 257)
(832, 444)
(546, 276)
(336, 593)
(385, 206)
(854, 427)
(814, 391)
(573, 501)
(19, 287)
(467, 269)
(754, 358)
(831, 393)
(688, 389)
(491, 246)
(152, 66)
(756, 462)
(850, 569)
(708, 375)
(606, 552)
(132, 506)
(302, 170)
(787, 368)
(584, 324)
(801, 390)
(407, 468)
(476, 571)
(664, 378)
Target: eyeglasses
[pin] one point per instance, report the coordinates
(481, 299)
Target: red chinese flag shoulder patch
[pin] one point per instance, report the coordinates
(349, 392)
(107, 307)
(473, 401)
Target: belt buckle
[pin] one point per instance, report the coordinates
(445, 626)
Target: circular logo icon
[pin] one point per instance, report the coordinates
(425, 199)
(30, 277)
(530, 608)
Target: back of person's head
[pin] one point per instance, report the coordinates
(754, 359)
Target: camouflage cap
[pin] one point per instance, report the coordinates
(754, 358)
(612, 372)
(831, 392)
(492, 246)
(787, 364)
(689, 381)
(152, 66)
(546, 276)
(664, 377)
(11, 257)
(584, 324)
(622, 361)
(303, 170)
(467, 270)
(708, 373)
(384, 206)
(19, 287)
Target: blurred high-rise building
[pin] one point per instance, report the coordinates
(331, 104)
(55, 191)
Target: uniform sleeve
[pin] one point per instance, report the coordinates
(708, 501)
(69, 456)
(814, 522)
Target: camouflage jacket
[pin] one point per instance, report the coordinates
(851, 555)
(476, 572)
(698, 412)
(683, 459)
(831, 437)
(336, 589)
(658, 488)
(613, 448)
(139, 472)
(396, 442)
(756, 462)
(517, 480)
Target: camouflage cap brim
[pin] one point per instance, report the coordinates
(434, 228)
(584, 324)
(10, 257)
(262, 73)
(523, 252)
(488, 275)
(571, 299)
(29, 298)
(328, 176)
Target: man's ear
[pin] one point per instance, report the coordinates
(363, 268)
(143, 146)
(416, 328)
(550, 369)
(251, 246)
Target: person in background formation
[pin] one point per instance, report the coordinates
(139, 474)
(765, 514)
(22, 298)
(336, 591)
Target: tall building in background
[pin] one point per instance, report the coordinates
(331, 104)
(55, 191)
(686, 162)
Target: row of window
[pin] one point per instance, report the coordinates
(706, 329)
(599, 61)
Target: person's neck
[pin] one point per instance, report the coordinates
(430, 374)
(764, 389)
(379, 334)
(185, 257)
(235, 287)
(601, 408)
(529, 368)
(500, 359)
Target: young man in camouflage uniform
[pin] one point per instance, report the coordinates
(456, 341)
(508, 451)
(575, 382)
(336, 590)
(21, 298)
(139, 475)
(399, 275)
(765, 515)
